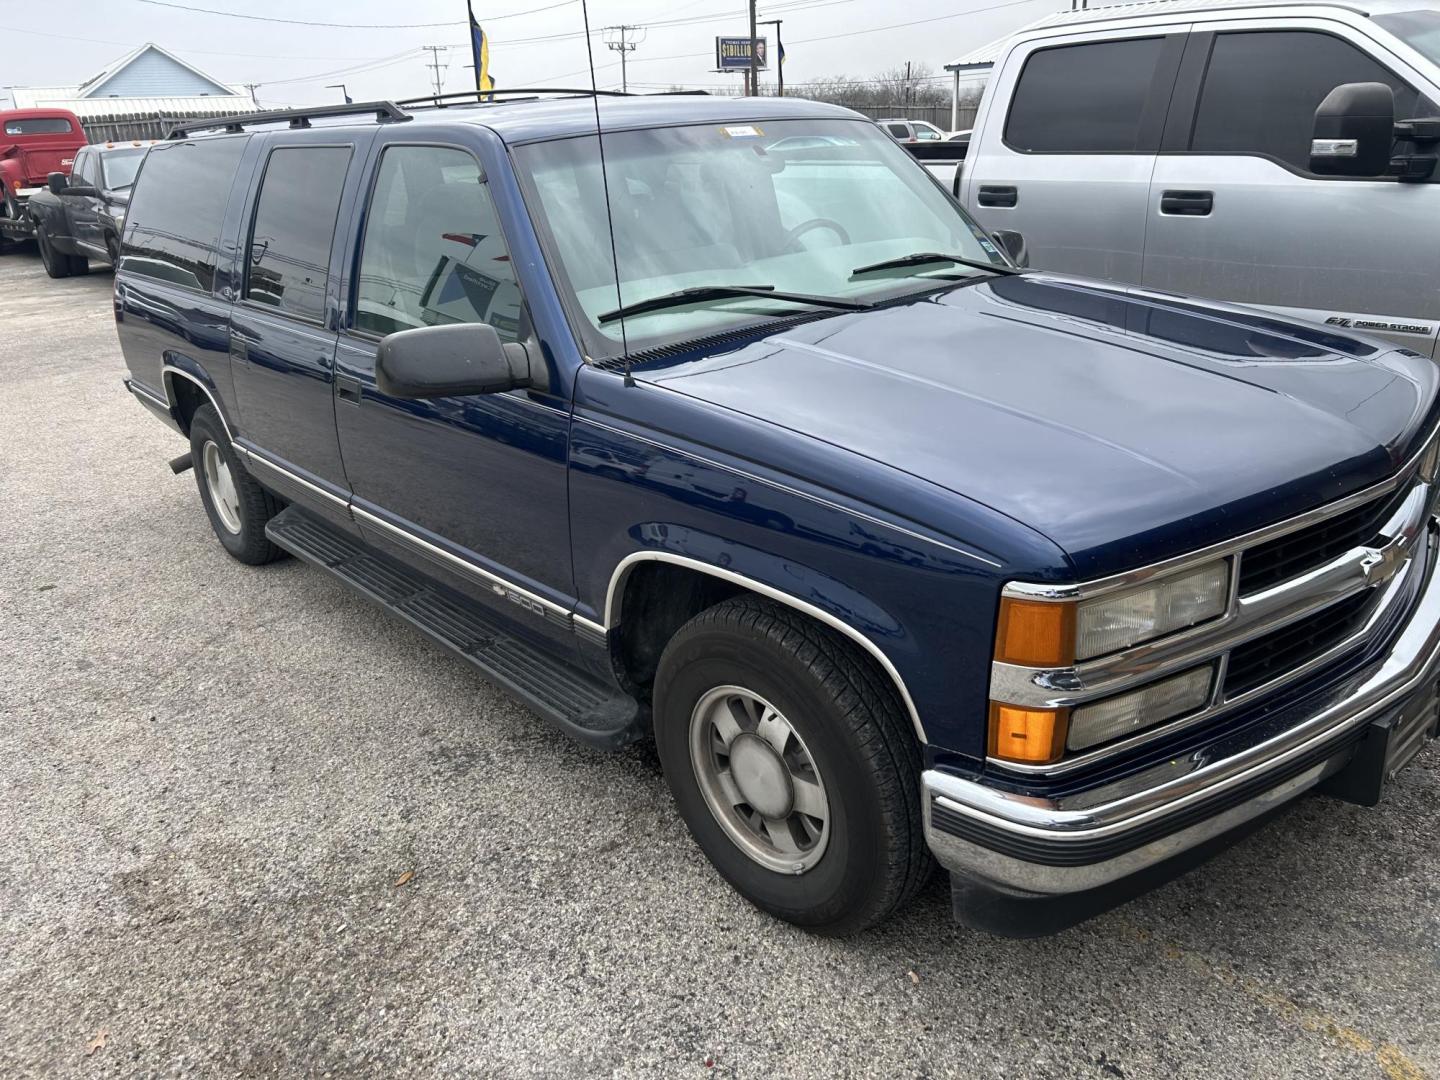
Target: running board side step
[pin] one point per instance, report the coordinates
(574, 701)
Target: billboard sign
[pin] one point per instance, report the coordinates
(733, 53)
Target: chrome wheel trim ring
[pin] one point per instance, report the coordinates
(745, 752)
(221, 485)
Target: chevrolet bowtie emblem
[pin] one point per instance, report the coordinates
(1382, 564)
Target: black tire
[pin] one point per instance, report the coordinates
(112, 248)
(254, 505)
(56, 264)
(79, 264)
(852, 725)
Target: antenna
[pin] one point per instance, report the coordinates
(605, 183)
(618, 39)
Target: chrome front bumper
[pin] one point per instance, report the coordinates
(1048, 847)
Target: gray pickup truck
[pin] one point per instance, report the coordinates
(1276, 155)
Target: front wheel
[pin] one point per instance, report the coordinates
(237, 506)
(793, 765)
(57, 265)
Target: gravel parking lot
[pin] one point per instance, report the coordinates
(212, 778)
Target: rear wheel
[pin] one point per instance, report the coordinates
(237, 506)
(793, 765)
(56, 264)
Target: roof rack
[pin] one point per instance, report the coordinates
(385, 112)
(440, 100)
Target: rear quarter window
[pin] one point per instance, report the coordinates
(173, 224)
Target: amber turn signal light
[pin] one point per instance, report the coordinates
(1036, 633)
(1029, 736)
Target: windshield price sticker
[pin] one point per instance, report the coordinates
(743, 131)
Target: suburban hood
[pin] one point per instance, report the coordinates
(1123, 425)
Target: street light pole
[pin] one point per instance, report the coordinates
(343, 92)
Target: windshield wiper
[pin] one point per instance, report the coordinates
(921, 258)
(700, 294)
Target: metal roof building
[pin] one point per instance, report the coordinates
(138, 96)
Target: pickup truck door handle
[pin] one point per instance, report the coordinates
(998, 195)
(348, 388)
(1187, 203)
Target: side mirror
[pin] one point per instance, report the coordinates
(56, 182)
(80, 190)
(450, 361)
(1354, 131)
(1013, 244)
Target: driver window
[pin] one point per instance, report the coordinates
(433, 253)
(83, 171)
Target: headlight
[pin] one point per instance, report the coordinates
(1115, 622)
(1046, 633)
(1125, 714)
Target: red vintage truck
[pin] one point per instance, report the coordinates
(33, 144)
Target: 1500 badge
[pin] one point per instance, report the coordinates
(1376, 324)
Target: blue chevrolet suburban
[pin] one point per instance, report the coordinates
(718, 421)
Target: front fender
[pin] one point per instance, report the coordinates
(923, 606)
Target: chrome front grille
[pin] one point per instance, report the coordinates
(1273, 561)
(1304, 593)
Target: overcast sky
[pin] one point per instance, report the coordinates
(293, 63)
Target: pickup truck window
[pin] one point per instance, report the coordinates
(433, 252)
(795, 205)
(1083, 99)
(83, 171)
(293, 228)
(38, 125)
(1262, 88)
(173, 225)
(120, 167)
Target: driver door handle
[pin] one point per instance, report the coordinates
(998, 195)
(1187, 203)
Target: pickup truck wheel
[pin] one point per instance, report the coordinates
(112, 248)
(56, 264)
(237, 506)
(793, 765)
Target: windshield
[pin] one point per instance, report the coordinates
(797, 206)
(121, 165)
(1418, 29)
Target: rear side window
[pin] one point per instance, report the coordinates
(900, 131)
(1083, 99)
(1262, 89)
(294, 225)
(173, 223)
(433, 251)
(39, 125)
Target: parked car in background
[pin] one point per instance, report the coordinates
(1282, 156)
(33, 144)
(81, 217)
(751, 440)
(909, 131)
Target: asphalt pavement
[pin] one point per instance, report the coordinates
(213, 779)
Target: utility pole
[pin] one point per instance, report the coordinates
(438, 78)
(754, 60)
(779, 56)
(906, 94)
(343, 92)
(251, 86)
(618, 39)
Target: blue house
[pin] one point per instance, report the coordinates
(139, 96)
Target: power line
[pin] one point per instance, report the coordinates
(349, 26)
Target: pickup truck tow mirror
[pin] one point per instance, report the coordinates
(1013, 244)
(451, 361)
(56, 182)
(1354, 130)
(80, 190)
